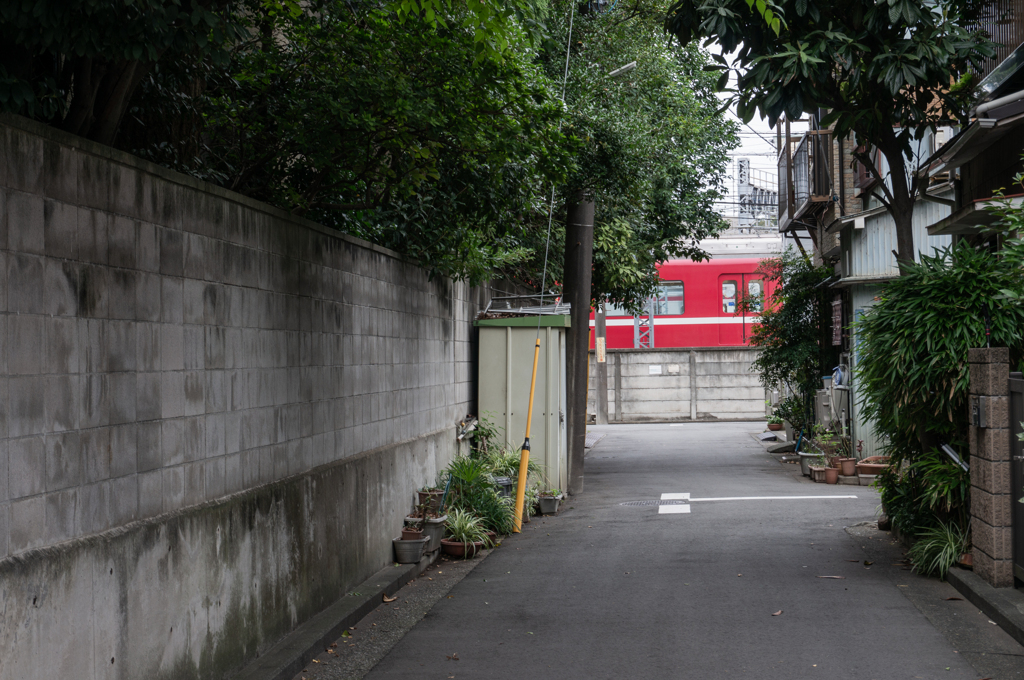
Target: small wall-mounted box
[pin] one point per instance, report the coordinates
(978, 418)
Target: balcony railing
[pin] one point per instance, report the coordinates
(805, 174)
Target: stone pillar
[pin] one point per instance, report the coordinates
(990, 466)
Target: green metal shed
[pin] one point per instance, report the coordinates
(505, 367)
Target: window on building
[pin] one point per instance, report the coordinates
(729, 296)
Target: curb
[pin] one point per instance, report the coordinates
(290, 655)
(1005, 606)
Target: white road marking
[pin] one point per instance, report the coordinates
(675, 496)
(766, 498)
(673, 509)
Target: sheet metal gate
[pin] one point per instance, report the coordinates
(1017, 471)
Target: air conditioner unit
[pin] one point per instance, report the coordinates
(822, 407)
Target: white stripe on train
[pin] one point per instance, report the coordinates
(693, 321)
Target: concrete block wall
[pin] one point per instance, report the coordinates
(168, 348)
(684, 384)
(991, 499)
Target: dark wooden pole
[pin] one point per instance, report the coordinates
(579, 246)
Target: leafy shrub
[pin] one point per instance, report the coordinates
(913, 373)
(938, 548)
(471, 490)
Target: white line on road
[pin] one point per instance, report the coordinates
(675, 496)
(673, 509)
(766, 498)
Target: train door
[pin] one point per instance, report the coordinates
(754, 288)
(730, 321)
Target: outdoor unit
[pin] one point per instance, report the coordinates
(822, 408)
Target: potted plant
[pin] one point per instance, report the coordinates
(549, 501)
(466, 535)
(872, 465)
(430, 523)
(431, 495)
(831, 475)
(774, 423)
(817, 468)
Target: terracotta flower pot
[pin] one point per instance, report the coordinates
(774, 427)
(849, 466)
(410, 534)
(872, 465)
(831, 475)
(460, 549)
(433, 497)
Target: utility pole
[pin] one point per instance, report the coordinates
(579, 247)
(600, 351)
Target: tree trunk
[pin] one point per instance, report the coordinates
(579, 246)
(901, 202)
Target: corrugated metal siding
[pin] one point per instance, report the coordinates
(869, 251)
(863, 433)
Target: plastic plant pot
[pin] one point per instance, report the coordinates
(409, 552)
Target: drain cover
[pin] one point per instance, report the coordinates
(636, 504)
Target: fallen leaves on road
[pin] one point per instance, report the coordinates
(831, 577)
(390, 599)
(867, 564)
(345, 633)
(454, 657)
(778, 613)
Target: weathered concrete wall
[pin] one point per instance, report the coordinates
(212, 414)
(679, 384)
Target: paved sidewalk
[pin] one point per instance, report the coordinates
(605, 590)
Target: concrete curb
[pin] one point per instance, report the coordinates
(290, 655)
(1005, 606)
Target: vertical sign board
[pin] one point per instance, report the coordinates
(837, 321)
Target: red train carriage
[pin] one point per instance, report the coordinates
(697, 306)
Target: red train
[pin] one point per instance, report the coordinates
(697, 305)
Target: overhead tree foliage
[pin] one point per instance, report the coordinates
(793, 331)
(78, 64)
(653, 147)
(886, 72)
(429, 127)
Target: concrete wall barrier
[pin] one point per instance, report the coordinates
(213, 414)
(679, 384)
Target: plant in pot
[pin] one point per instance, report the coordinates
(431, 495)
(549, 501)
(409, 547)
(431, 524)
(774, 423)
(817, 468)
(466, 535)
(472, 490)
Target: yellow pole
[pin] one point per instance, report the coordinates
(524, 456)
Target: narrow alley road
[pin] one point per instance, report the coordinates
(606, 590)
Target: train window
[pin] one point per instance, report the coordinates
(670, 298)
(755, 290)
(729, 296)
(612, 309)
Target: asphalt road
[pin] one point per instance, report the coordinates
(610, 591)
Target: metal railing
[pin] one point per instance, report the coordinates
(805, 174)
